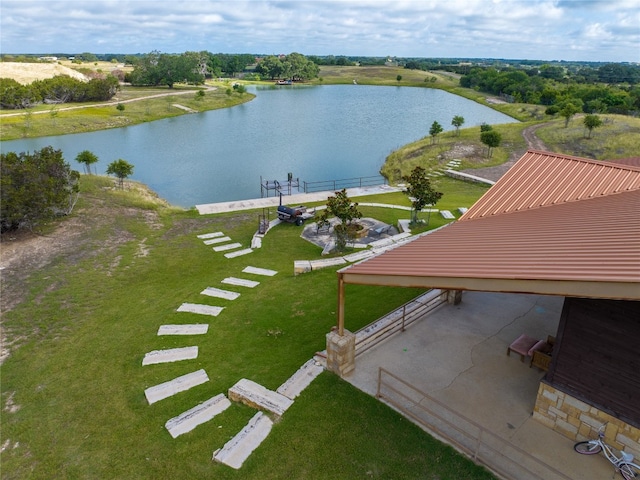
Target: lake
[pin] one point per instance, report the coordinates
(316, 133)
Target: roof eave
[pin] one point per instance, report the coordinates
(566, 288)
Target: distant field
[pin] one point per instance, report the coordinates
(385, 75)
(26, 73)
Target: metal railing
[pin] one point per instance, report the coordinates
(481, 445)
(397, 320)
(335, 185)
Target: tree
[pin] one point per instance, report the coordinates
(591, 122)
(434, 131)
(399, 78)
(35, 188)
(87, 158)
(568, 109)
(341, 207)
(491, 139)
(121, 169)
(457, 122)
(420, 192)
(158, 68)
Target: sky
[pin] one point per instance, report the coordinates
(572, 30)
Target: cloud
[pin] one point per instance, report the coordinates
(540, 29)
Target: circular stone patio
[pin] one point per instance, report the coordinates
(376, 230)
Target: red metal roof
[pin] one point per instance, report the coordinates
(542, 179)
(553, 224)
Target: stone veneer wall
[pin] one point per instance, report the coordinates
(579, 421)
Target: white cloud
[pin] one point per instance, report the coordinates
(542, 29)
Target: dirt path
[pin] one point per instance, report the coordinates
(494, 173)
(533, 142)
(116, 102)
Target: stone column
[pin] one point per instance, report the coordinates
(454, 297)
(341, 352)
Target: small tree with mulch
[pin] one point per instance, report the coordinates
(341, 207)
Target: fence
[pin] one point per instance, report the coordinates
(482, 446)
(335, 185)
(397, 320)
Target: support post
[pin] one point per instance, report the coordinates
(340, 304)
(454, 297)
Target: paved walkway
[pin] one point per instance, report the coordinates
(296, 199)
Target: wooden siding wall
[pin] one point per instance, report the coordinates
(598, 355)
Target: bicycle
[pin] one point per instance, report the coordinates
(623, 463)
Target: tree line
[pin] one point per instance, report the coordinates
(611, 88)
(59, 89)
(294, 66)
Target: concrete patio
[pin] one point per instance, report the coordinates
(457, 355)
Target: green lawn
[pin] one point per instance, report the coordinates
(77, 385)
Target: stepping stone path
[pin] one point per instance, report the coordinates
(241, 282)
(170, 355)
(179, 384)
(187, 421)
(260, 271)
(219, 293)
(213, 241)
(211, 235)
(254, 395)
(229, 246)
(201, 309)
(192, 329)
(238, 253)
(238, 449)
(215, 238)
(300, 380)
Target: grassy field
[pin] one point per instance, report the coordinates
(618, 137)
(81, 322)
(141, 105)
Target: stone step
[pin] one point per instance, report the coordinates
(254, 395)
(463, 210)
(300, 380)
(329, 262)
(170, 355)
(213, 241)
(200, 309)
(357, 256)
(260, 271)
(240, 282)
(187, 329)
(238, 449)
(187, 421)
(219, 293)
(211, 235)
(229, 246)
(238, 253)
(447, 214)
(178, 384)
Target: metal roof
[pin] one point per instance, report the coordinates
(554, 224)
(542, 179)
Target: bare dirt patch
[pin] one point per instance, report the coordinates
(26, 73)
